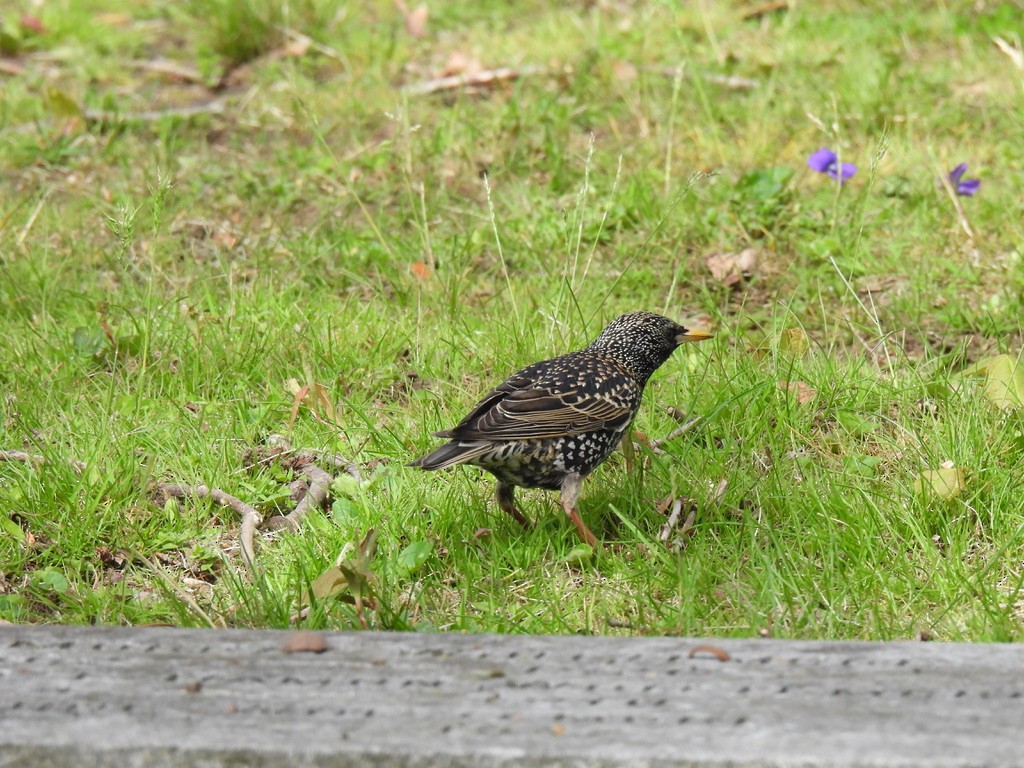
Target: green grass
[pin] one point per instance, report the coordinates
(162, 281)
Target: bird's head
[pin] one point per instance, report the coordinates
(642, 341)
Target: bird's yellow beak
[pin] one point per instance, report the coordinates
(686, 338)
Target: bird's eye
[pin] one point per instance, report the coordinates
(671, 332)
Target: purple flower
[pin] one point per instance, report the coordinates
(825, 161)
(963, 187)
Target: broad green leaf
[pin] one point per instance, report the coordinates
(342, 509)
(765, 183)
(12, 607)
(346, 486)
(51, 579)
(579, 555)
(89, 342)
(11, 528)
(413, 556)
(862, 465)
(856, 424)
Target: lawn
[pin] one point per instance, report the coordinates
(342, 223)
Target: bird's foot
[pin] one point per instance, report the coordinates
(571, 487)
(585, 533)
(506, 500)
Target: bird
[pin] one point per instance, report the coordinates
(552, 423)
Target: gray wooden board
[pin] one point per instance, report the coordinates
(78, 696)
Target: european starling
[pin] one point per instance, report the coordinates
(552, 423)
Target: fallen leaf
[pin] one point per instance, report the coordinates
(305, 642)
(793, 341)
(331, 583)
(731, 269)
(33, 24)
(803, 392)
(349, 579)
(171, 70)
(113, 19)
(711, 650)
(296, 48)
(315, 397)
(460, 63)
(1003, 380)
(224, 239)
(420, 270)
(624, 71)
(946, 482)
(416, 20)
(60, 104)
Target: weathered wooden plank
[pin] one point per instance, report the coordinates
(72, 696)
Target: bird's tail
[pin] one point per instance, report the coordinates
(450, 454)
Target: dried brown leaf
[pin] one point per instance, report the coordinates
(416, 21)
(710, 650)
(33, 24)
(460, 63)
(731, 269)
(305, 642)
(803, 392)
(624, 71)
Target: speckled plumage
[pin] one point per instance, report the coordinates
(552, 423)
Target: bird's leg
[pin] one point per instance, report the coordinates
(571, 487)
(628, 451)
(506, 495)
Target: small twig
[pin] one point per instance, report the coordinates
(21, 456)
(11, 68)
(171, 69)
(488, 77)
(152, 115)
(280, 445)
(655, 445)
(20, 240)
(961, 216)
(339, 462)
(107, 117)
(764, 9)
(319, 488)
(250, 516)
(33, 458)
(730, 82)
(673, 519)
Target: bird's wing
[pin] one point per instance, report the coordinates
(525, 407)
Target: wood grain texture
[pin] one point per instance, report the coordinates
(160, 697)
